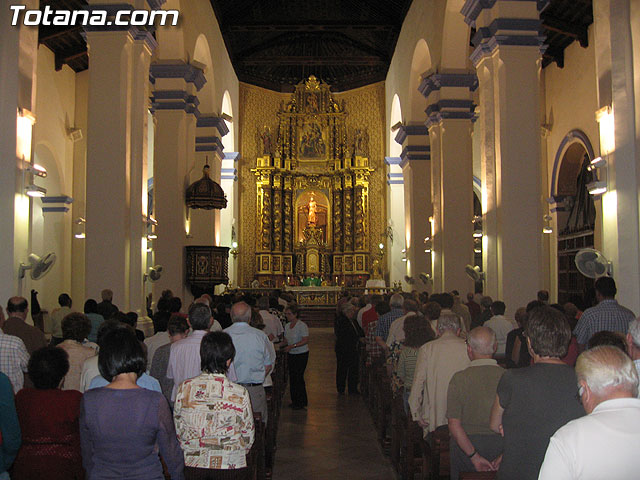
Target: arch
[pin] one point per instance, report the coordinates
(229, 140)
(455, 38)
(573, 137)
(48, 230)
(202, 54)
(396, 116)
(170, 38)
(420, 63)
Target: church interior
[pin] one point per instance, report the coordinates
(322, 146)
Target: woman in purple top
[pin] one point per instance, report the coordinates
(121, 424)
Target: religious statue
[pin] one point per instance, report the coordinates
(267, 144)
(312, 217)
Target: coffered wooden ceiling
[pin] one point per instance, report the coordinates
(347, 43)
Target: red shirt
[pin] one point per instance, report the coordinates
(50, 435)
(368, 317)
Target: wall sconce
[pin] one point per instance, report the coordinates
(35, 191)
(151, 236)
(234, 249)
(427, 245)
(477, 234)
(34, 169)
(597, 188)
(80, 231)
(547, 229)
(596, 163)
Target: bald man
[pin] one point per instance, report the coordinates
(17, 310)
(473, 445)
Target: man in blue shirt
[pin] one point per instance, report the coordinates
(254, 357)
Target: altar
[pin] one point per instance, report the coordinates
(312, 185)
(315, 296)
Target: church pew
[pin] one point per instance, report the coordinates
(383, 405)
(477, 475)
(439, 444)
(398, 426)
(363, 373)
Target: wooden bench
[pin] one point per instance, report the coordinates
(477, 475)
(439, 444)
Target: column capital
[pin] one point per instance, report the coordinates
(436, 81)
(415, 153)
(178, 69)
(473, 8)
(446, 109)
(410, 130)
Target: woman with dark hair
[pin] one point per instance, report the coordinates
(533, 402)
(213, 415)
(296, 336)
(49, 421)
(122, 426)
(417, 332)
(91, 311)
(75, 328)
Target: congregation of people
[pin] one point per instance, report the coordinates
(541, 391)
(99, 394)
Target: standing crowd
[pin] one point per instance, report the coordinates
(96, 398)
(549, 393)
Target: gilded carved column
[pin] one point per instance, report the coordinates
(359, 224)
(348, 215)
(288, 215)
(337, 215)
(266, 218)
(277, 213)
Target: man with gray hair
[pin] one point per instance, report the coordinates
(604, 443)
(348, 334)
(437, 362)
(184, 357)
(633, 343)
(470, 396)
(396, 302)
(254, 358)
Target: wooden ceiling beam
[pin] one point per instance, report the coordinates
(65, 56)
(579, 32)
(371, 61)
(51, 33)
(355, 28)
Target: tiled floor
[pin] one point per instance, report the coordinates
(334, 438)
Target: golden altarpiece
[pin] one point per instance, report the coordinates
(312, 183)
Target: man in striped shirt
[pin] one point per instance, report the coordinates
(607, 315)
(384, 322)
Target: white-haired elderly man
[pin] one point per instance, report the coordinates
(396, 302)
(633, 343)
(437, 362)
(474, 446)
(605, 442)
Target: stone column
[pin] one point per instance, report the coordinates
(176, 108)
(396, 260)
(507, 60)
(617, 59)
(416, 171)
(115, 142)
(450, 113)
(142, 50)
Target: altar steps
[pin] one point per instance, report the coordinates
(318, 317)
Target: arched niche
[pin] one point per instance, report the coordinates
(48, 230)
(420, 63)
(322, 212)
(395, 149)
(575, 213)
(229, 139)
(202, 54)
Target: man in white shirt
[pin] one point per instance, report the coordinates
(160, 338)
(184, 359)
(604, 443)
(272, 324)
(499, 324)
